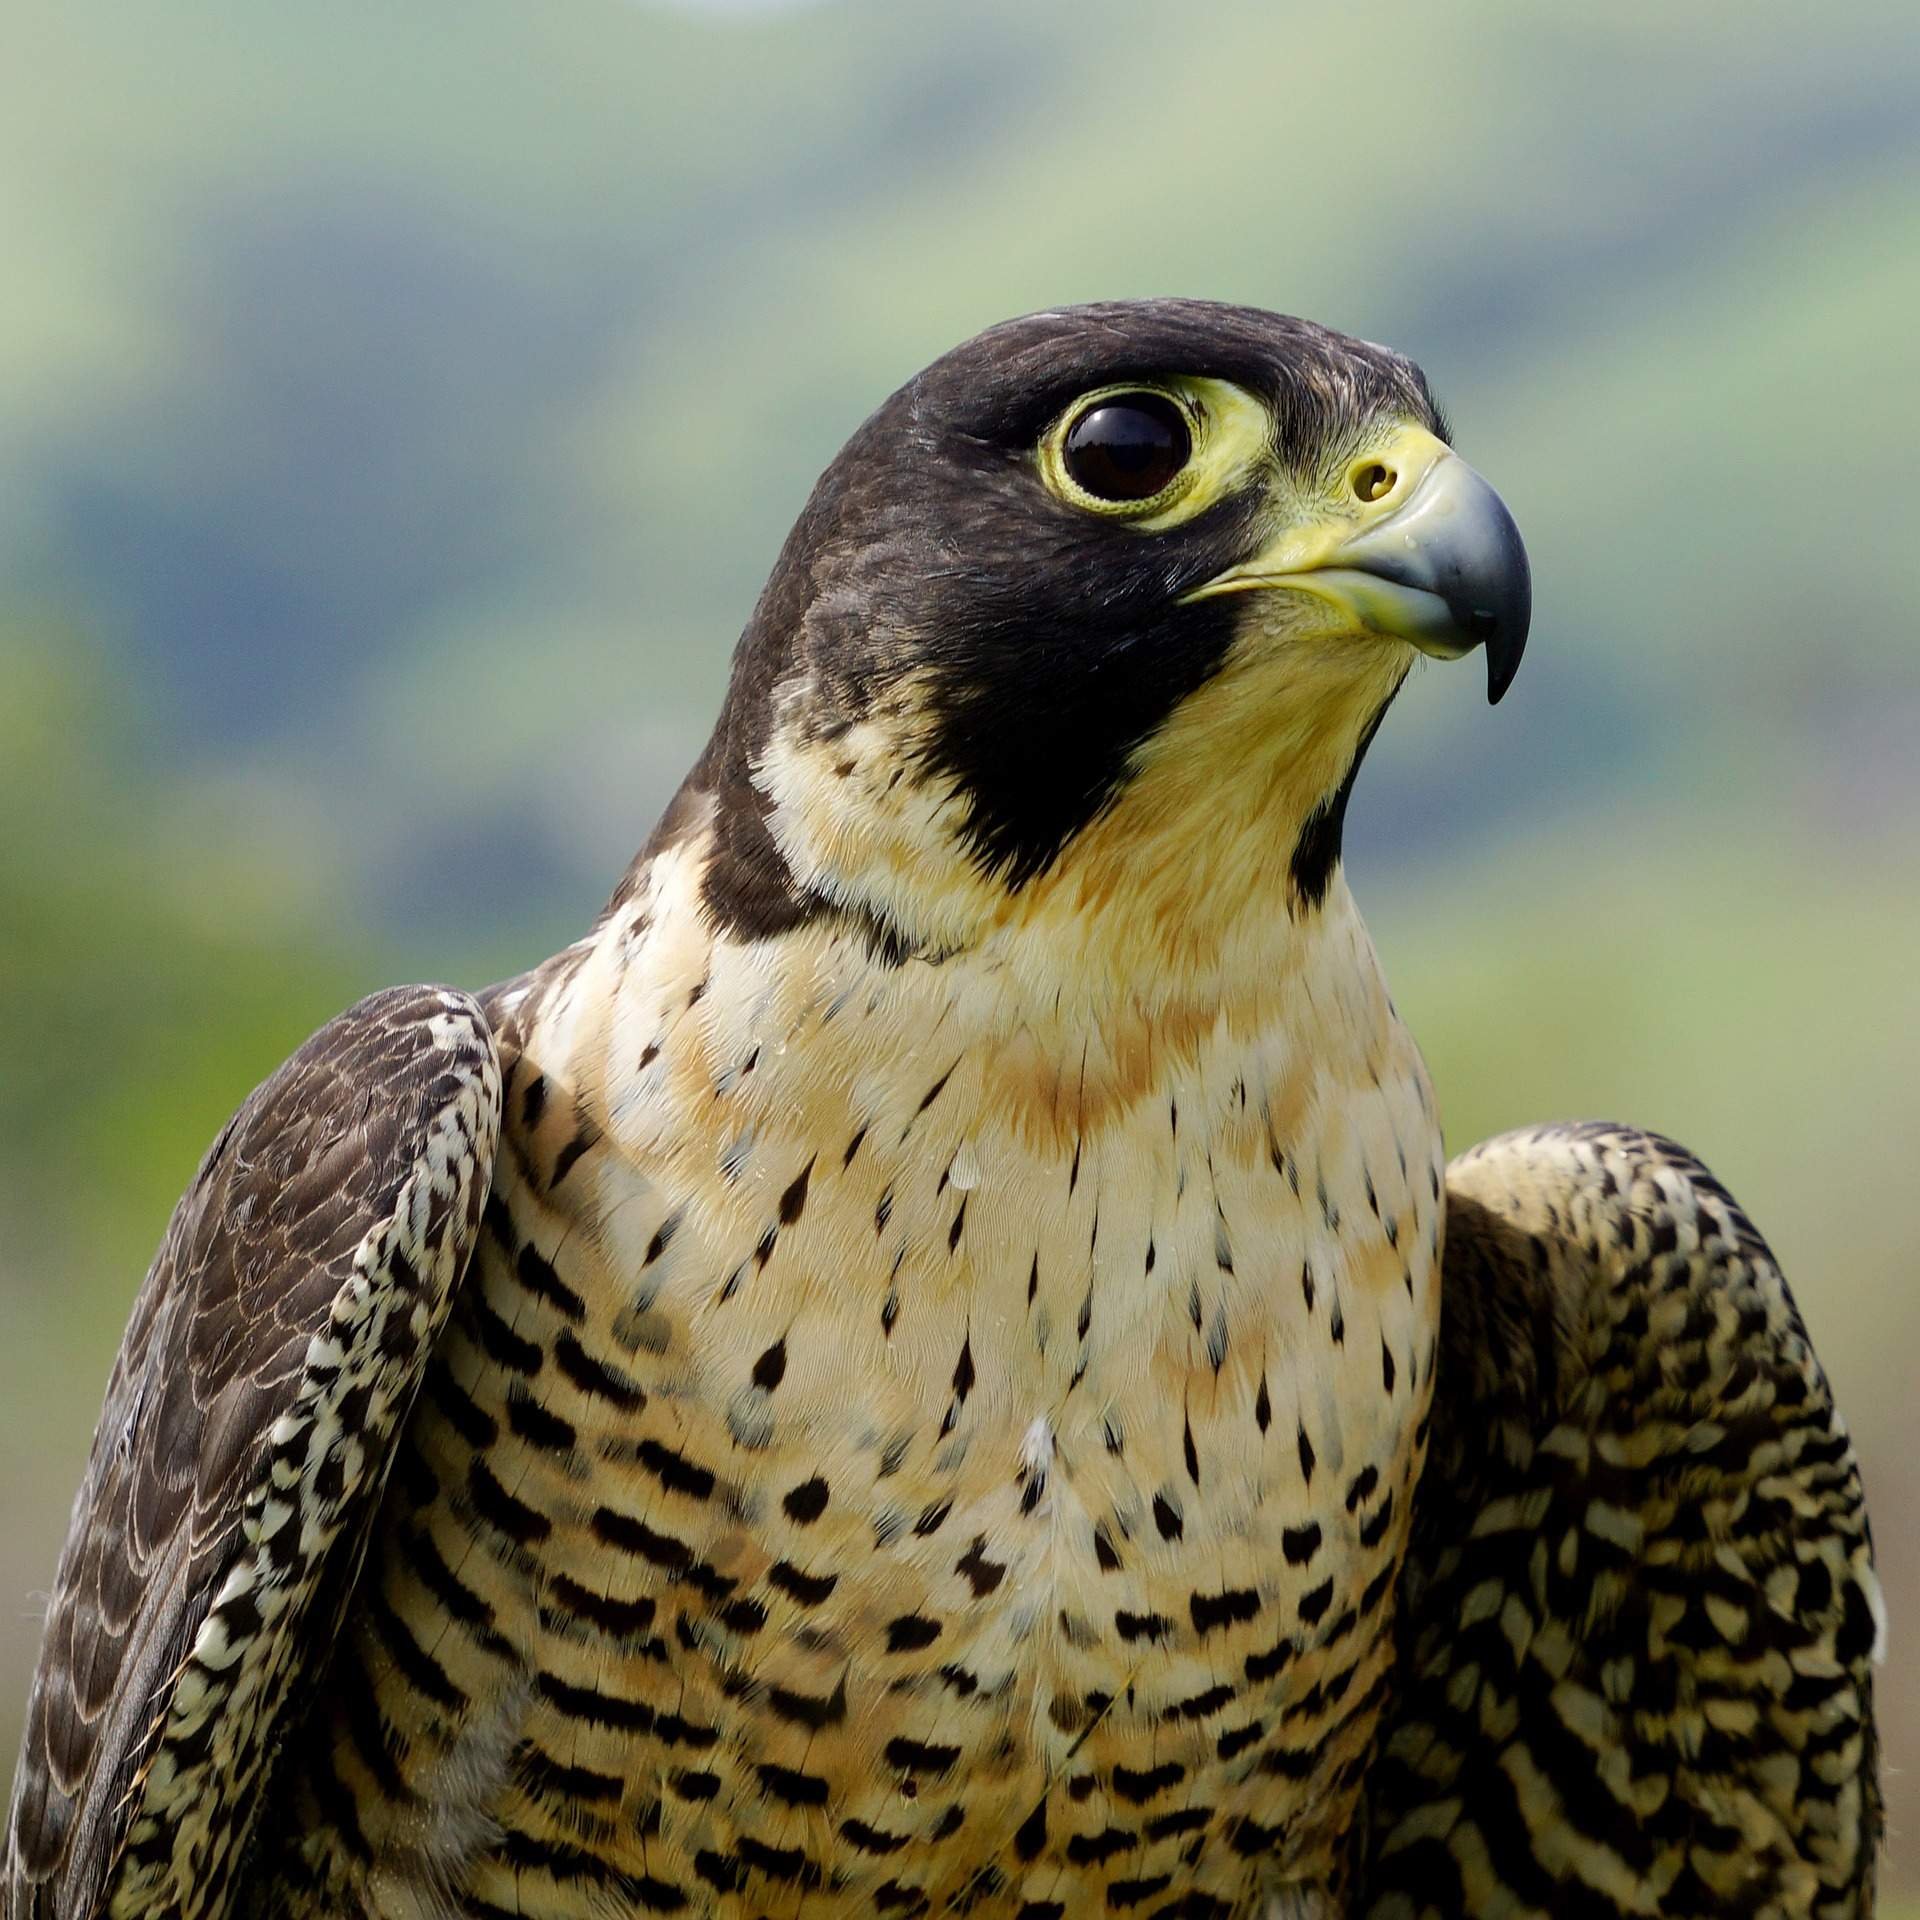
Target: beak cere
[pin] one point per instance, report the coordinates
(1447, 571)
(1435, 560)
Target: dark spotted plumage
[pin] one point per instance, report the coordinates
(1639, 1613)
(242, 1449)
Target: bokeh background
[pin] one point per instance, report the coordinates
(400, 407)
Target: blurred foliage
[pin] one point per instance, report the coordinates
(399, 408)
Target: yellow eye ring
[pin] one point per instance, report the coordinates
(1100, 454)
(1153, 453)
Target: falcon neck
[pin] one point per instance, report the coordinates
(1067, 1018)
(1211, 869)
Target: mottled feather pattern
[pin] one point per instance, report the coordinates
(1640, 1615)
(247, 1426)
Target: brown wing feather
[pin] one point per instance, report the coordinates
(313, 1230)
(1639, 1613)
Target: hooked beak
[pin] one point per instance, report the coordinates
(1433, 559)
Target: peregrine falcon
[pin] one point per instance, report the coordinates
(932, 1362)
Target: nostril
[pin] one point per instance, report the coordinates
(1374, 481)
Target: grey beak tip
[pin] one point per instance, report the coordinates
(1503, 628)
(1503, 663)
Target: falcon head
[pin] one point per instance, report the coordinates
(1108, 597)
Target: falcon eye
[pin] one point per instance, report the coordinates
(1153, 457)
(1128, 446)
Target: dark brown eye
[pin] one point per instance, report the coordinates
(1128, 446)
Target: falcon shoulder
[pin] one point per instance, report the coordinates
(247, 1433)
(1639, 1613)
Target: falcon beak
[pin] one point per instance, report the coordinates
(1428, 554)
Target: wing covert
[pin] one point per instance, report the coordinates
(1640, 1612)
(270, 1358)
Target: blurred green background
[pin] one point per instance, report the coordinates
(399, 408)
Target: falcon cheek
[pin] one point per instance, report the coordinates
(1206, 832)
(857, 828)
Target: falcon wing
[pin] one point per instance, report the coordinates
(247, 1433)
(1639, 1611)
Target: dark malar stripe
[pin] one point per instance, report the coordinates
(1317, 851)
